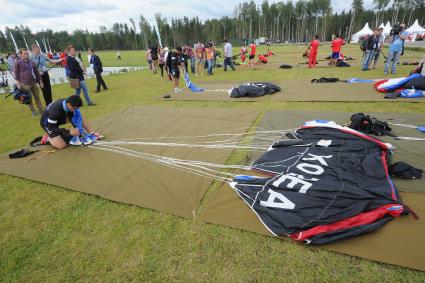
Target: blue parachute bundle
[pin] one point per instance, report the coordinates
(356, 80)
(411, 93)
(190, 85)
(421, 129)
(77, 120)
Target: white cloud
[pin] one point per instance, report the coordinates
(82, 14)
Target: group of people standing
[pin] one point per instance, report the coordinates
(31, 74)
(177, 61)
(336, 47)
(30, 71)
(372, 48)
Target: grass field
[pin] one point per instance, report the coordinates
(52, 234)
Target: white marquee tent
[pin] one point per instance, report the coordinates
(415, 30)
(387, 29)
(365, 30)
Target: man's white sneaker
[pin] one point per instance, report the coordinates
(87, 140)
(75, 141)
(96, 136)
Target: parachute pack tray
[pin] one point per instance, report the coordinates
(292, 91)
(397, 243)
(213, 91)
(124, 168)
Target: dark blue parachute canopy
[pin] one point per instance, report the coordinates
(329, 183)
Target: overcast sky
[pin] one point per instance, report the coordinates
(84, 14)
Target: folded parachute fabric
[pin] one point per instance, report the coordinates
(77, 120)
(342, 63)
(389, 85)
(325, 80)
(411, 93)
(190, 85)
(405, 171)
(416, 83)
(356, 80)
(392, 95)
(405, 93)
(285, 66)
(253, 89)
(332, 184)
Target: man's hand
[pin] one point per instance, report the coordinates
(41, 84)
(74, 132)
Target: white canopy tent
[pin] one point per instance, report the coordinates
(364, 31)
(415, 30)
(387, 29)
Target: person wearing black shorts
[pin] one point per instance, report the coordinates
(61, 112)
(175, 63)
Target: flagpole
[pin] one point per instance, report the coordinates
(36, 41)
(14, 43)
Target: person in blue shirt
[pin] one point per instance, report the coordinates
(40, 60)
(395, 50)
(11, 60)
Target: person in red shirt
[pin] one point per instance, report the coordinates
(252, 52)
(262, 59)
(336, 49)
(64, 64)
(314, 45)
(269, 53)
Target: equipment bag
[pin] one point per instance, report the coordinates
(366, 124)
(325, 80)
(404, 171)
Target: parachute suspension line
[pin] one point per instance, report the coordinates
(217, 146)
(261, 131)
(255, 140)
(182, 161)
(171, 162)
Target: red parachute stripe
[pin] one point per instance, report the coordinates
(358, 220)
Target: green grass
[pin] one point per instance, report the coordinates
(52, 234)
(129, 58)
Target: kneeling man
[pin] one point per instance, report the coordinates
(61, 112)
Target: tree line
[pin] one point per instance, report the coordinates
(292, 21)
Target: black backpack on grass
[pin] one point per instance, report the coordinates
(366, 124)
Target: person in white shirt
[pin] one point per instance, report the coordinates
(228, 55)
